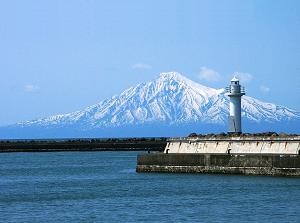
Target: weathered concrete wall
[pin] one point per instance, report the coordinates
(250, 164)
(235, 145)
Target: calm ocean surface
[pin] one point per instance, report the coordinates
(104, 187)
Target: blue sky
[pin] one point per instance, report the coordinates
(61, 56)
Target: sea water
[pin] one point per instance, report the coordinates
(104, 187)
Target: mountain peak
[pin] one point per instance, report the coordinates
(168, 78)
(174, 76)
(171, 75)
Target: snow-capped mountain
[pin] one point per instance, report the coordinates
(171, 100)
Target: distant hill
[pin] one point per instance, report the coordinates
(171, 105)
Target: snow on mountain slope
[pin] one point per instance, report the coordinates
(169, 99)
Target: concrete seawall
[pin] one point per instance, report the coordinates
(249, 164)
(235, 145)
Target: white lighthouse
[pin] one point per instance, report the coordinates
(235, 92)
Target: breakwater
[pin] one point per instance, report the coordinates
(248, 164)
(111, 144)
(253, 154)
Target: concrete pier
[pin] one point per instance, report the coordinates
(248, 164)
(250, 154)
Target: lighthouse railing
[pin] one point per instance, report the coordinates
(230, 90)
(243, 90)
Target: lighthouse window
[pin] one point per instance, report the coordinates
(235, 82)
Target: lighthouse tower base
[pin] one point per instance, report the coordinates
(233, 126)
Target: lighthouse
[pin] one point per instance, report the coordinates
(235, 92)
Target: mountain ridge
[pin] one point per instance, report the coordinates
(169, 100)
